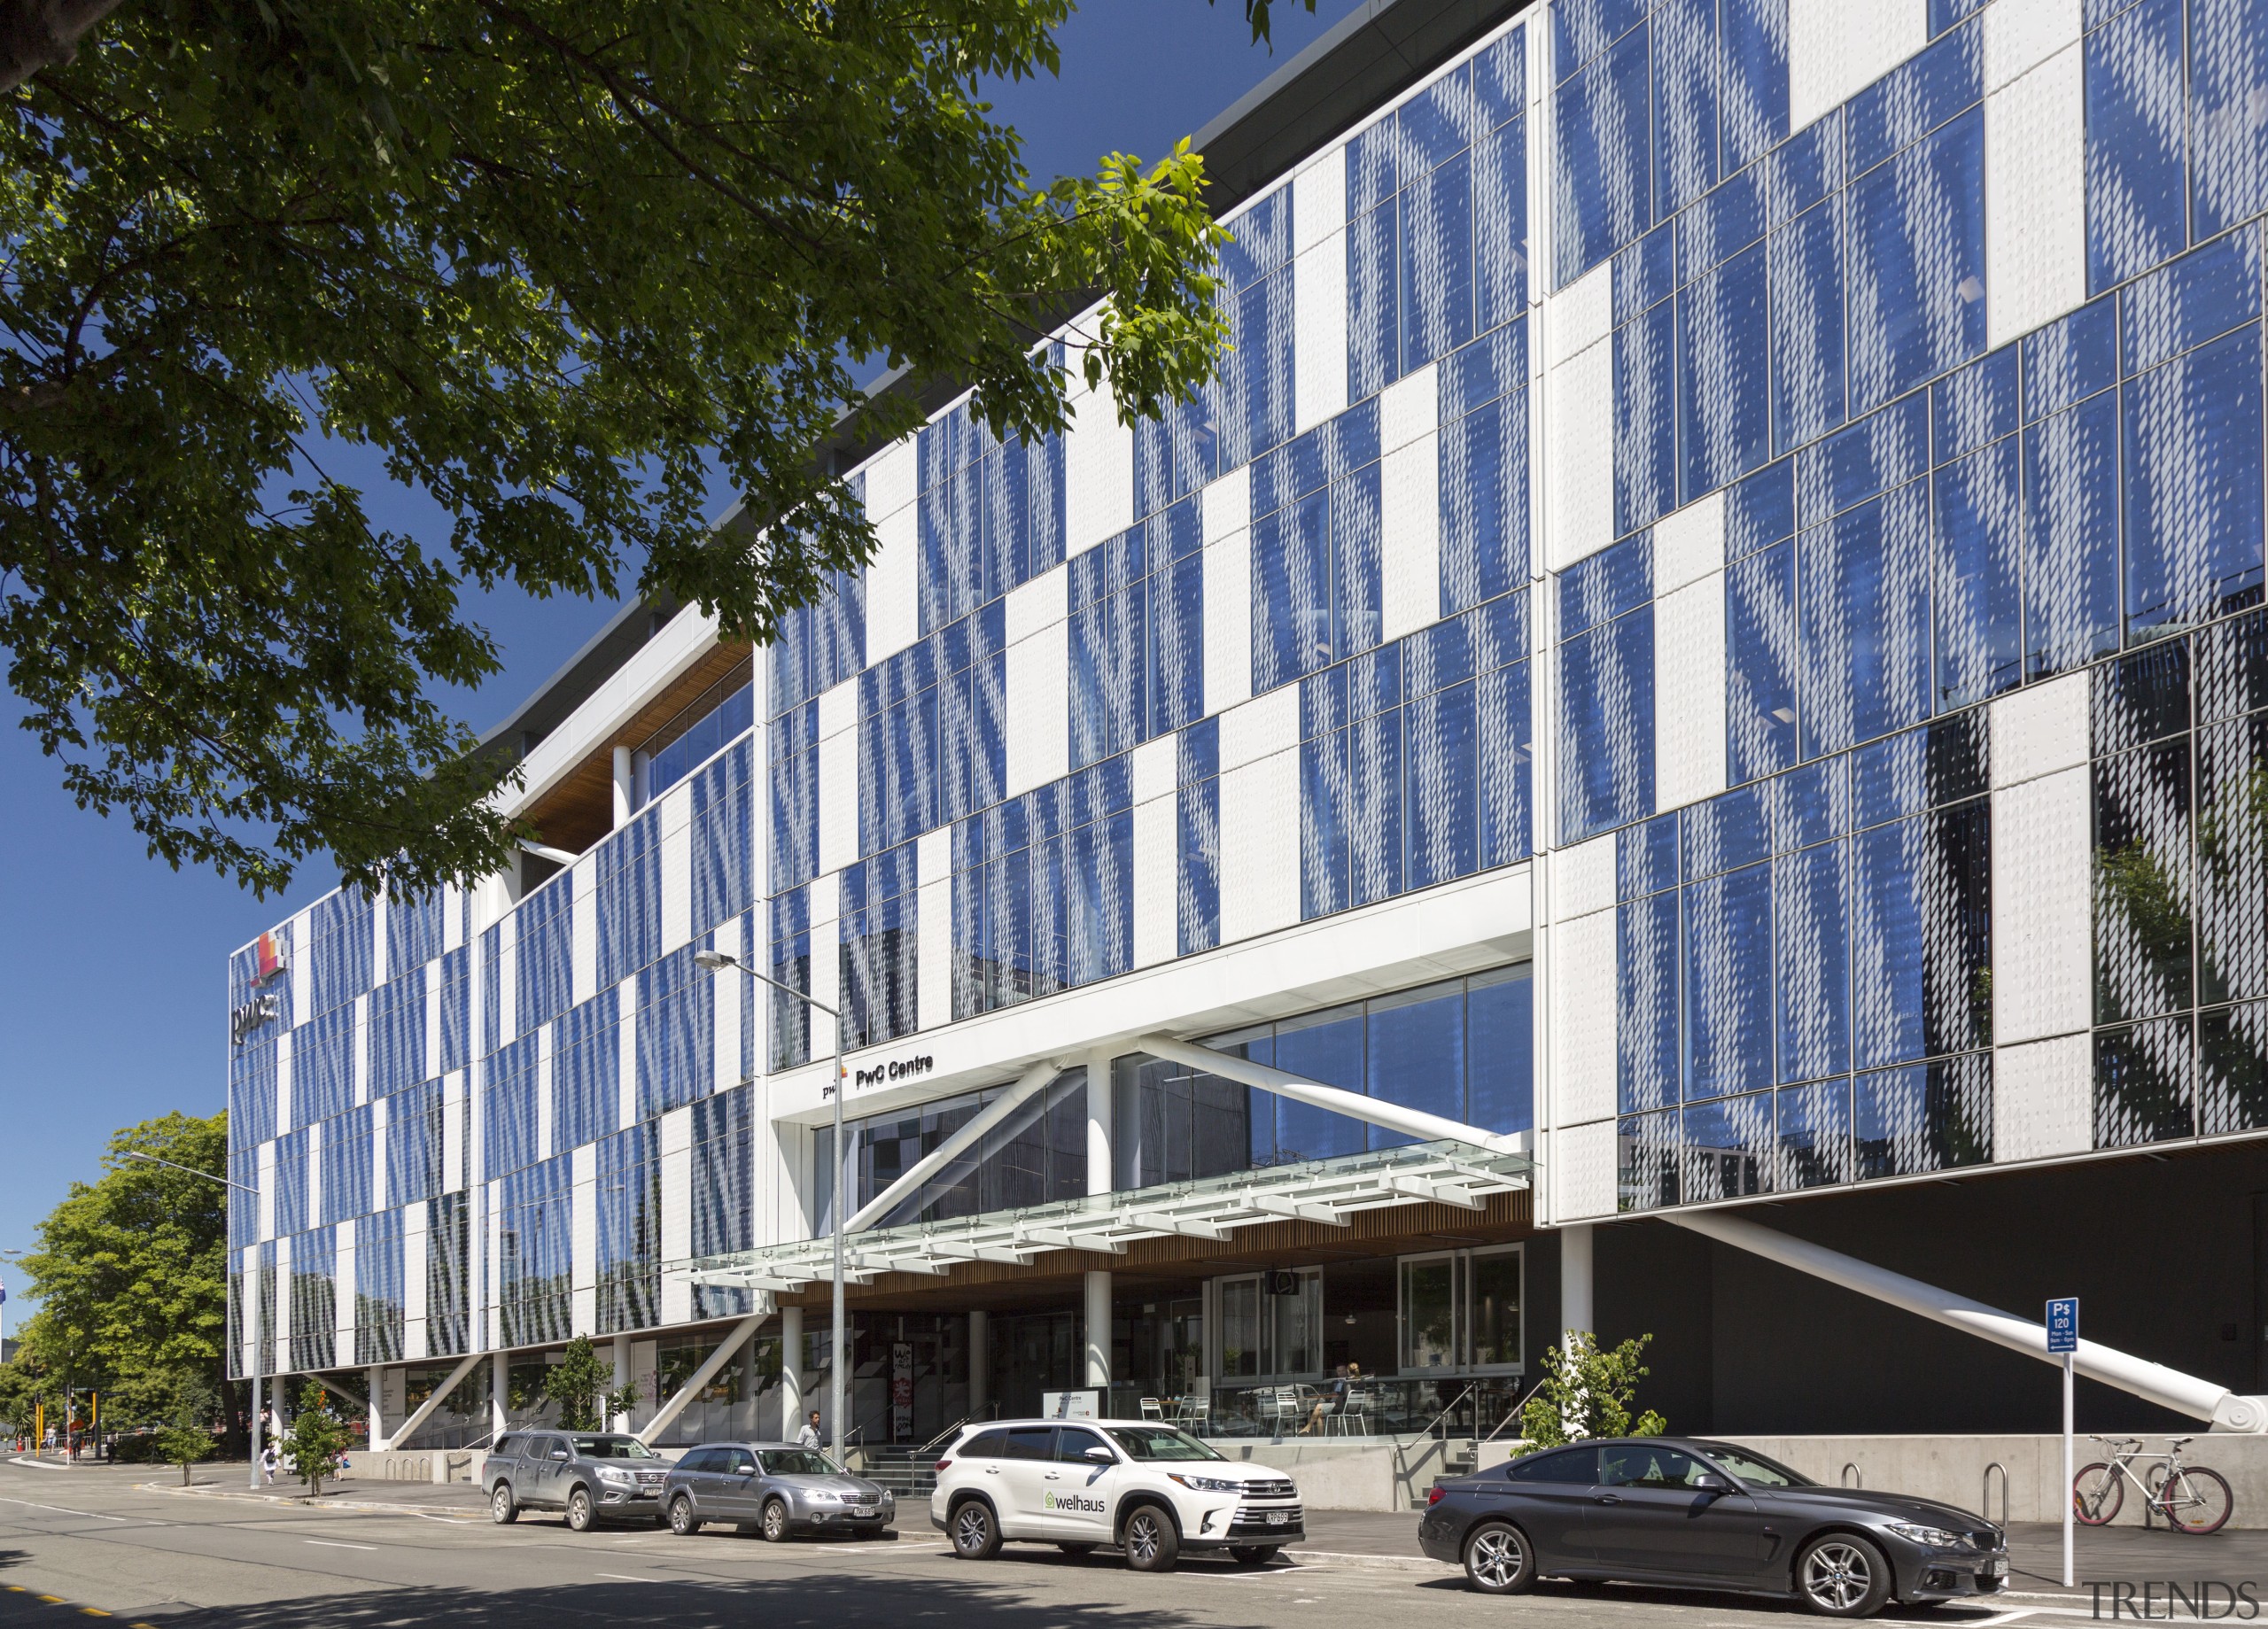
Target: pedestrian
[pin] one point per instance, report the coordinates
(267, 1462)
(809, 1436)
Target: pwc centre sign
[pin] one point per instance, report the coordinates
(896, 1069)
(266, 1002)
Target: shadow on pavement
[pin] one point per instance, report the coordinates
(770, 1603)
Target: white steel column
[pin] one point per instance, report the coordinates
(791, 1372)
(1578, 1312)
(377, 1414)
(624, 787)
(1097, 1326)
(621, 1421)
(980, 1352)
(1101, 1162)
(500, 1394)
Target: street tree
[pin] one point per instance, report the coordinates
(186, 1438)
(316, 1444)
(582, 1383)
(130, 1274)
(1586, 1391)
(547, 264)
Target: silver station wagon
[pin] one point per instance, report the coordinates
(776, 1488)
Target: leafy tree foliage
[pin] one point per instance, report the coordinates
(1587, 1392)
(317, 1442)
(131, 1276)
(187, 1435)
(545, 259)
(582, 1383)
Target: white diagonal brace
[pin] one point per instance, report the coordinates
(737, 1338)
(2169, 1388)
(439, 1394)
(1032, 1081)
(1373, 1111)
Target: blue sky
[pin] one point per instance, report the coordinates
(112, 966)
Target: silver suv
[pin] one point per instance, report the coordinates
(593, 1475)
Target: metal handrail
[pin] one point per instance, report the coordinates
(943, 1437)
(1449, 1409)
(1518, 1409)
(1851, 1476)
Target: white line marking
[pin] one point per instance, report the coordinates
(91, 1515)
(37, 1464)
(626, 1579)
(333, 1544)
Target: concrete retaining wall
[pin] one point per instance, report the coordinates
(435, 1465)
(1364, 1475)
(1953, 1469)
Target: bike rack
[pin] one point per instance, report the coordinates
(1851, 1476)
(1984, 1499)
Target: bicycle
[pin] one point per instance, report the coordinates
(2191, 1498)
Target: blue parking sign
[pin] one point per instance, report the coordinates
(2063, 1324)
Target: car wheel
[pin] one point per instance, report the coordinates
(1497, 1560)
(682, 1520)
(503, 1509)
(582, 1514)
(1253, 1555)
(975, 1535)
(1077, 1552)
(775, 1522)
(1842, 1576)
(1152, 1544)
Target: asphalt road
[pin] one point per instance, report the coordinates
(121, 1543)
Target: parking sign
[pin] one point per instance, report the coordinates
(2063, 1324)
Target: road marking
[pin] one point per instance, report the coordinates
(629, 1578)
(94, 1611)
(34, 1465)
(333, 1544)
(61, 1511)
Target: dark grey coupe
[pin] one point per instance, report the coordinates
(1707, 1514)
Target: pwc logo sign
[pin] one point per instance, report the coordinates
(1073, 1501)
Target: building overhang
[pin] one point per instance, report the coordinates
(1464, 926)
(1328, 1192)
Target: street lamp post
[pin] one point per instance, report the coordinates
(714, 961)
(251, 1424)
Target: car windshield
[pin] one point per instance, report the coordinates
(1754, 1468)
(1159, 1442)
(799, 1463)
(612, 1447)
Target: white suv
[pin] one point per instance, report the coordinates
(1081, 1484)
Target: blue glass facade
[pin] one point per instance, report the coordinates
(1645, 457)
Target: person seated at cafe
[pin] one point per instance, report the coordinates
(1332, 1401)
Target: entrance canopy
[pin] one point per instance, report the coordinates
(1443, 1172)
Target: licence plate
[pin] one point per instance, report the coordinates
(1998, 1567)
(1277, 1518)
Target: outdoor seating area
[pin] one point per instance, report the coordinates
(1455, 1407)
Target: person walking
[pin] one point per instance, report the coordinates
(809, 1436)
(267, 1462)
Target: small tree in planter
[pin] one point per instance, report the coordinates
(187, 1435)
(1587, 1392)
(318, 1440)
(582, 1385)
